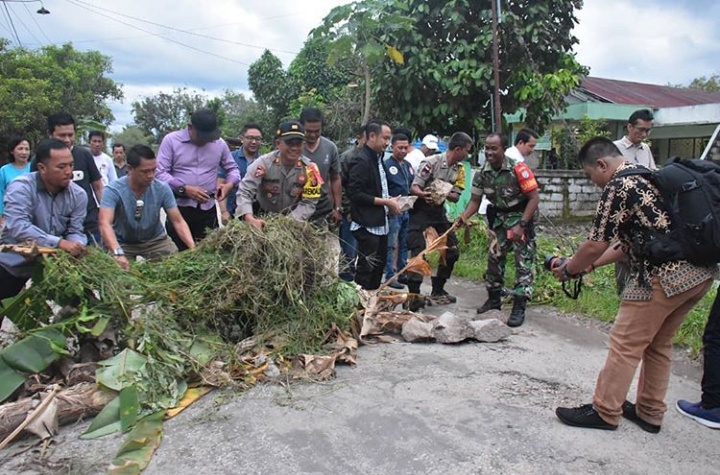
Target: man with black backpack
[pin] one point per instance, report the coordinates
(656, 299)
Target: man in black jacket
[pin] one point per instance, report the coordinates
(370, 204)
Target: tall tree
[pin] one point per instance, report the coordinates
(357, 35)
(268, 81)
(446, 79)
(36, 83)
(164, 112)
(240, 110)
(132, 135)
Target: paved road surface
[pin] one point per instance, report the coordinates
(424, 409)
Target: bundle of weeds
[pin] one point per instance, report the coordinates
(239, 282)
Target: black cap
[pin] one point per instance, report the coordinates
(291, 129)
(204, 122)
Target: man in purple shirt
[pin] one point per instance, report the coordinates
(188, 160)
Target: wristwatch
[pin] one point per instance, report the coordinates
(522, 223)
(180, 190)
(118, 252)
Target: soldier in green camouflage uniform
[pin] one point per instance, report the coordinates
(446, 167)
(512, 190)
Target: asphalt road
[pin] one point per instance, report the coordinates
(420, 409)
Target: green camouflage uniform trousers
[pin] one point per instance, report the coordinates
(508, 203)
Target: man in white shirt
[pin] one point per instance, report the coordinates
(631, 145)
(104, 163)
(429, 146)
(525, 142)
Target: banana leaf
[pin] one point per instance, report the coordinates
(30, 355)
(117, 372)
(139, 446)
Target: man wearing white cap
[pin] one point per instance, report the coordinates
(429, 146)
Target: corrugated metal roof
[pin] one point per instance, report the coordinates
(627, 92)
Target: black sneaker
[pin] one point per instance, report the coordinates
(583, 416)
(630, 414)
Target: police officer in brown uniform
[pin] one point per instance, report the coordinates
(446, 167)
(282, 181)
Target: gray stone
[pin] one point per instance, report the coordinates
(415, 330)
(489, 331)
(450, 328)
(493, 315)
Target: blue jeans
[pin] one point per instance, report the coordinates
(397, 239)
(348, 246)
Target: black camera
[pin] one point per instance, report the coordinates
(552, 261)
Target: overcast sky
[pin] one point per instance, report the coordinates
(654, 41)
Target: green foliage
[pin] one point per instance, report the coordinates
(447, 77)
(37, 83)
(709, 84)
(132, 135)
(30, 355)
(569, 139)
(268, 81)
(239, 110)
(162, 113)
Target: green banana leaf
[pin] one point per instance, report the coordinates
(116, 373)
(107, 422)
(30, 355)
(139, 446)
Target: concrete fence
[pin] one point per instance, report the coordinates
(567, 193)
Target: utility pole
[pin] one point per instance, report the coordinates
(497, 111)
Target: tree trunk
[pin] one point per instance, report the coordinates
(366, 106)
(74, 403)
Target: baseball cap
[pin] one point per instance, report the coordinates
(431, 142)
(291, 129)
(204, 122)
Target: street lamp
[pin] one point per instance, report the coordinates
(43, 10)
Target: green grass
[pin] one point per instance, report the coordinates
(597, 299)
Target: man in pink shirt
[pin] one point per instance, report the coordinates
(188, 160)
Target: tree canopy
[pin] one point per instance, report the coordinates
(36, 83)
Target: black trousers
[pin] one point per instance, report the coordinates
(372, 255)
(711, 357)
(198, 220)
(10, 285)
(416, 244)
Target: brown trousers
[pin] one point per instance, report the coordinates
(643, 331)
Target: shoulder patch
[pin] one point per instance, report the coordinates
(525, 177)
(259, 171)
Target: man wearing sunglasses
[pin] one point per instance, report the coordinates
(129, 217)
(282, 181)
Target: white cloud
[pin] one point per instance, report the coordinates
(653, 42)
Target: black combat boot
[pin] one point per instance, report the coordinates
(517, 315)
(439, 295)
(494, 301)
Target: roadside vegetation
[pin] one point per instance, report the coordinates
(597, 298)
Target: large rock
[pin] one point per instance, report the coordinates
(493, 315)
(489, 331)
(415, 330)
(450, 328)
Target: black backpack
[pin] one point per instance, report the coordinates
(691, 191)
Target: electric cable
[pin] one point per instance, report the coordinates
(73, 2)
(12, 25)
(42, 32)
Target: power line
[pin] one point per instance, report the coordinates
(36, 23)
(187, 32)
(73, 2)
(7, 12)
(25, 26)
